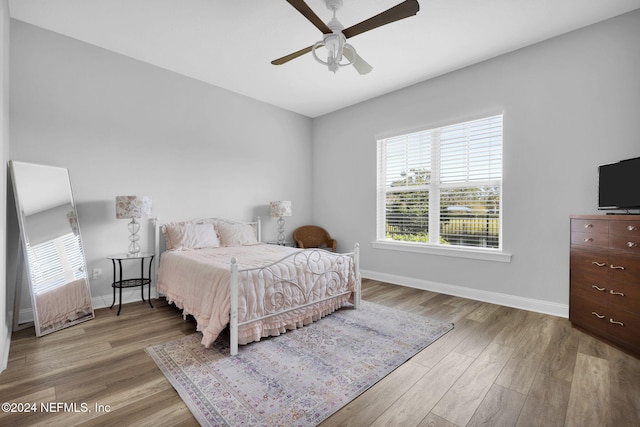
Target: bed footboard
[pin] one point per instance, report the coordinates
(275, 302)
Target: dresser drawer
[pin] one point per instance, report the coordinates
(590, 225)
(624, 266)
(625, 228)
(626, 242)
(589, 263)
(624, 327)
(588, 312)
(582, 238)
(624, 296)
(591, 287)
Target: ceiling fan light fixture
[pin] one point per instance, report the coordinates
(336, 46)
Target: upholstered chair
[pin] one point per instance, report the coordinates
(312, 236)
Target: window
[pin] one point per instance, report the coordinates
(442, 187)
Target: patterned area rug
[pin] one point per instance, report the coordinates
(299, 378)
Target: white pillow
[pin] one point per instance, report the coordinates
(236, 234)
(187, 235)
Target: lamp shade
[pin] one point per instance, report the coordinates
(280, 208)
(133, 207)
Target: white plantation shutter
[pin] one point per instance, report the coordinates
(59, 261)
(472, 151)
(405, 154)
(442, 186)
(406, 180)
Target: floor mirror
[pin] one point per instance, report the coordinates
(51, 253)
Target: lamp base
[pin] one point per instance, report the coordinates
(280, 231)
(134, 248)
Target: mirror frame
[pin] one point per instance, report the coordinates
(24, 263)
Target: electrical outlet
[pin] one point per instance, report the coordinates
(96, 273)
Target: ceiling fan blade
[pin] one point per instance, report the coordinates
(356, 60)
(306, 11)
(291, 56)
(403, 10)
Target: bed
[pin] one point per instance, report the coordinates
(221, 273)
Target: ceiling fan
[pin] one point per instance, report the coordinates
(335, 35)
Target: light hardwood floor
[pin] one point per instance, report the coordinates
(498, 367)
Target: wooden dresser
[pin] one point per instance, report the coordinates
(605, 277)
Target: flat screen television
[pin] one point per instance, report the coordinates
(619, 185)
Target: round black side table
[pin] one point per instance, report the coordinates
(119, 282)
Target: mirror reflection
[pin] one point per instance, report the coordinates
(52, 246)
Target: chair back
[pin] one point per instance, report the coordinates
(312, 236)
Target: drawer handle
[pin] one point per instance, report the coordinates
(597, 315)
(632, 244)
(617, 267)
(612, 292)
(590, 226)
(589, 240)
(615, 322)
(599, 264)
(631, 227)
(598, 288)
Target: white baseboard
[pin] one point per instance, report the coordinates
(530, 304)
(128, 295)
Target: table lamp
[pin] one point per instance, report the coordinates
(133, 207)
(280, 209)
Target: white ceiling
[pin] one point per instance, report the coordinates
(231, 43)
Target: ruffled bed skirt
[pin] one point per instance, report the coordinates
(291, 320)
(273, 326)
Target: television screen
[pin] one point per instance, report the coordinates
(619, 185)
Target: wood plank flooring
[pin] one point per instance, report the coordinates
(498, 367)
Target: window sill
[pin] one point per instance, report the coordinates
(451, 251)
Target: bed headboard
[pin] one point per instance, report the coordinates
(161, 245)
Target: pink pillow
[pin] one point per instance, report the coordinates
(236, 234)
(187, 235)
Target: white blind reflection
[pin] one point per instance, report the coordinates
(55, 262)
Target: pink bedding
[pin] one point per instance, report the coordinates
(198, 281)
(63, 304)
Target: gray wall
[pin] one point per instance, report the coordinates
(570, 104)
(125, 127)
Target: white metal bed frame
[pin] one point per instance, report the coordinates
(304, 256)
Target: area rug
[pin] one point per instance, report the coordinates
(299, 378)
